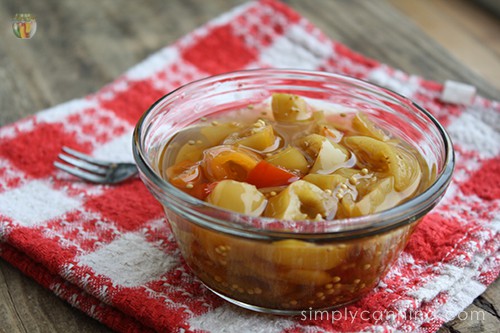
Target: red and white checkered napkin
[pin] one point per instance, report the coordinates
(108, 251)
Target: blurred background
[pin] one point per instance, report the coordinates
(469, 29)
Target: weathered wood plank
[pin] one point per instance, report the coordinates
(468, 30)
(377, 30)
(26, 307)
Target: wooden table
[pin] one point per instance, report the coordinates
(80, 46)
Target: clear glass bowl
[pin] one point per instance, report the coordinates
(285, 267)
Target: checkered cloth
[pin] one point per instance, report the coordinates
(108, 250)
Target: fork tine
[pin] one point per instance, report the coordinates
(84, 157)
(83, 165)
(80, 173)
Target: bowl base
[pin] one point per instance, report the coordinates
(280, 312)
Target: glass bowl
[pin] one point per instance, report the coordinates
(285, 267)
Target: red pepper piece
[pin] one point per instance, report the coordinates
(266, 174)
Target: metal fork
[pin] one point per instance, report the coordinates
(94, 170)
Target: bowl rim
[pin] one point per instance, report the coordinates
(400, 215)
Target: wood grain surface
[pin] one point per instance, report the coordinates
(470, 31)
(80, 46)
